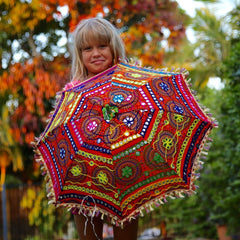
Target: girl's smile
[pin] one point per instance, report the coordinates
(97, 58)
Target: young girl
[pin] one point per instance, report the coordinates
(96, 47)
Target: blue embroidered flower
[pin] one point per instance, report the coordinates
(128, 121)
(62, 153)
(118, 98)
(164, 86)
(178, 109)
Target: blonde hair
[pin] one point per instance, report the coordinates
(91, 30)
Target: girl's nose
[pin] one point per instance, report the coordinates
(96, 51)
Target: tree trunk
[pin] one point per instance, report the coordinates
(32, 45)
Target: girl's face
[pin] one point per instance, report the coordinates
(97, 57)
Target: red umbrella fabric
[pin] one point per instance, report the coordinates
(123, 141)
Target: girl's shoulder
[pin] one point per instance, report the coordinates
(70, 84)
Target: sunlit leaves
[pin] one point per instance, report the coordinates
(20, 16)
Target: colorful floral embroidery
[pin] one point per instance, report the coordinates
(102, 178)
(126, 172)
(92, 126)
(122, 141)
(128, 121)
(167, 143)
(109, 112)
(76, 171)
(118, 98)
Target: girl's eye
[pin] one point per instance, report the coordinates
(87, 48)
(103, 46)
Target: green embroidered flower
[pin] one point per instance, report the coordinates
(167, 143)
(76, 171)
(157, 158)
(109, 112)
(102, 178)
(127, 172)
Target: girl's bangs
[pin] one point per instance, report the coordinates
(94, 34)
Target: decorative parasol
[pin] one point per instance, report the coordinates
(123, 142)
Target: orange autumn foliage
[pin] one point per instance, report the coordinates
(32, 84)
(134, 18)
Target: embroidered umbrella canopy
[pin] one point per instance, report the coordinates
(123, 141)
